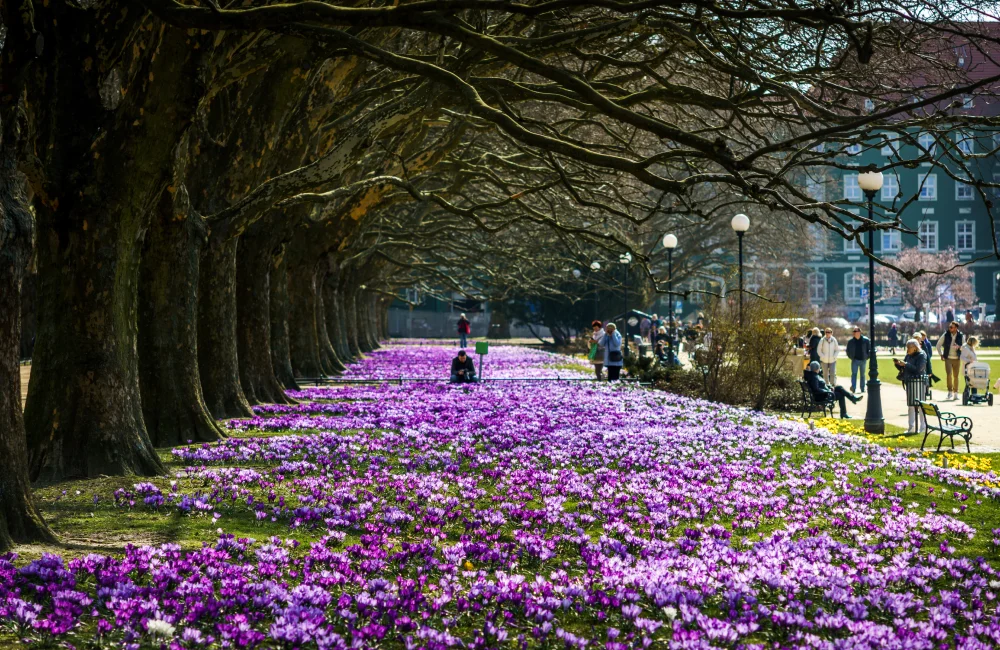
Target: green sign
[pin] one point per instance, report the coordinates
(482, 347)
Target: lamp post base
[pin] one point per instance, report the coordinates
(874, 422)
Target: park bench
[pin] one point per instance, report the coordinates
(810, 404)
(948, 424)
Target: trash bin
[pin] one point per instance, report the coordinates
(916, 390)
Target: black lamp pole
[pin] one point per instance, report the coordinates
(670, 297)
(739, 237)
(874, 421)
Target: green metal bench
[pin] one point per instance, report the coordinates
(810, 404)
(948, 424)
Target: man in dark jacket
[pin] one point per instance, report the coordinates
(859, 349)
(821, 390)
(462, 369)
(949, 347)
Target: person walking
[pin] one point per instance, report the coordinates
(611, 341)
(913, 366)
(829, 350)
(813, 345)
(858, 351)
(645, 326)
(893, 338)
(464, 329)
(821, 390)
(949, 348)
(596, 351)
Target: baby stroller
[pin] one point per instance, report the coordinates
(977, 384)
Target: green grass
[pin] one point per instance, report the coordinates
(887, 371)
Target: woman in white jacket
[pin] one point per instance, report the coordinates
(829, 350)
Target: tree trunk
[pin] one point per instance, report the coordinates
(333, 317)
(351, 316)
(84, 411)
(303, 338)
(371, 322)
(281, 356)
(29, 322)
(253, 323)
(173, 404)
(19, 520)
(328, 353)
(217, 355)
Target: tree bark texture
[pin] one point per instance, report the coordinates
(351, 317)
(173, 404)
(278, 306)
(217, 353)
(19, 520)
(334, 319)
(304, 340)
(328, 354)
(253, 322)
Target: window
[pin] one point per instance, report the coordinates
(817, 287)
(851, 245)
(853, 149)
(963, 191)
(852, 191)
(926, 143)
(854, 282)
(965, 235)
(965, 143)
(928, 234)
(818, 148)
(891, 146)
(928, 187)
(890, 241)
(967, 101)
(815, 189)
(890, 187)
(869, 106)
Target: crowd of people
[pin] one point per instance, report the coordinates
(955, 348)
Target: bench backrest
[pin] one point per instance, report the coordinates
(930, 409)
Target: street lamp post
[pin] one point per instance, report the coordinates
(740, 223)
(626, 259)
(871, 182)
(670, 243)
(595, 266)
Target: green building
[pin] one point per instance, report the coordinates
(947, 213)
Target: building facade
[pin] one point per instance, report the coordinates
(945, 213)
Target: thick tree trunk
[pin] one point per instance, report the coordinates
(328, 353)
(173, 404)
(253, 329)
(371, 322)
(281, 358)
(333, 317)
(29, 322)
(365, 332)
(217, 355)
(351, 316)
(19, 520)
(303, 338)
(383, 319)
(84, 411)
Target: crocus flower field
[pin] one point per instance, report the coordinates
(529, 514)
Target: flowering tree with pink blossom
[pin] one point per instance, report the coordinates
(950, 279)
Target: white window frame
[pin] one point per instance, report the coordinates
(930, 236)
(850, 185)
(965, 143)
(852, 246)
(963, 191)
(890, 187)
(854, 282)
(927, 184)
(968, 101)
(971, 234)
(816, 286)
(927, 143)
(892, 144)
(893, 238)
(854, 149)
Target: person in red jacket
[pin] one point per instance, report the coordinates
(464, 329)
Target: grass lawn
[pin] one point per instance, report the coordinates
(887, 371)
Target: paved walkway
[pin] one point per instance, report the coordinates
(986, 419)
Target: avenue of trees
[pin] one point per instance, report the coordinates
(217, 200)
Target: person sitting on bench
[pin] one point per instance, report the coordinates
(462, 369)
(821, 390)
